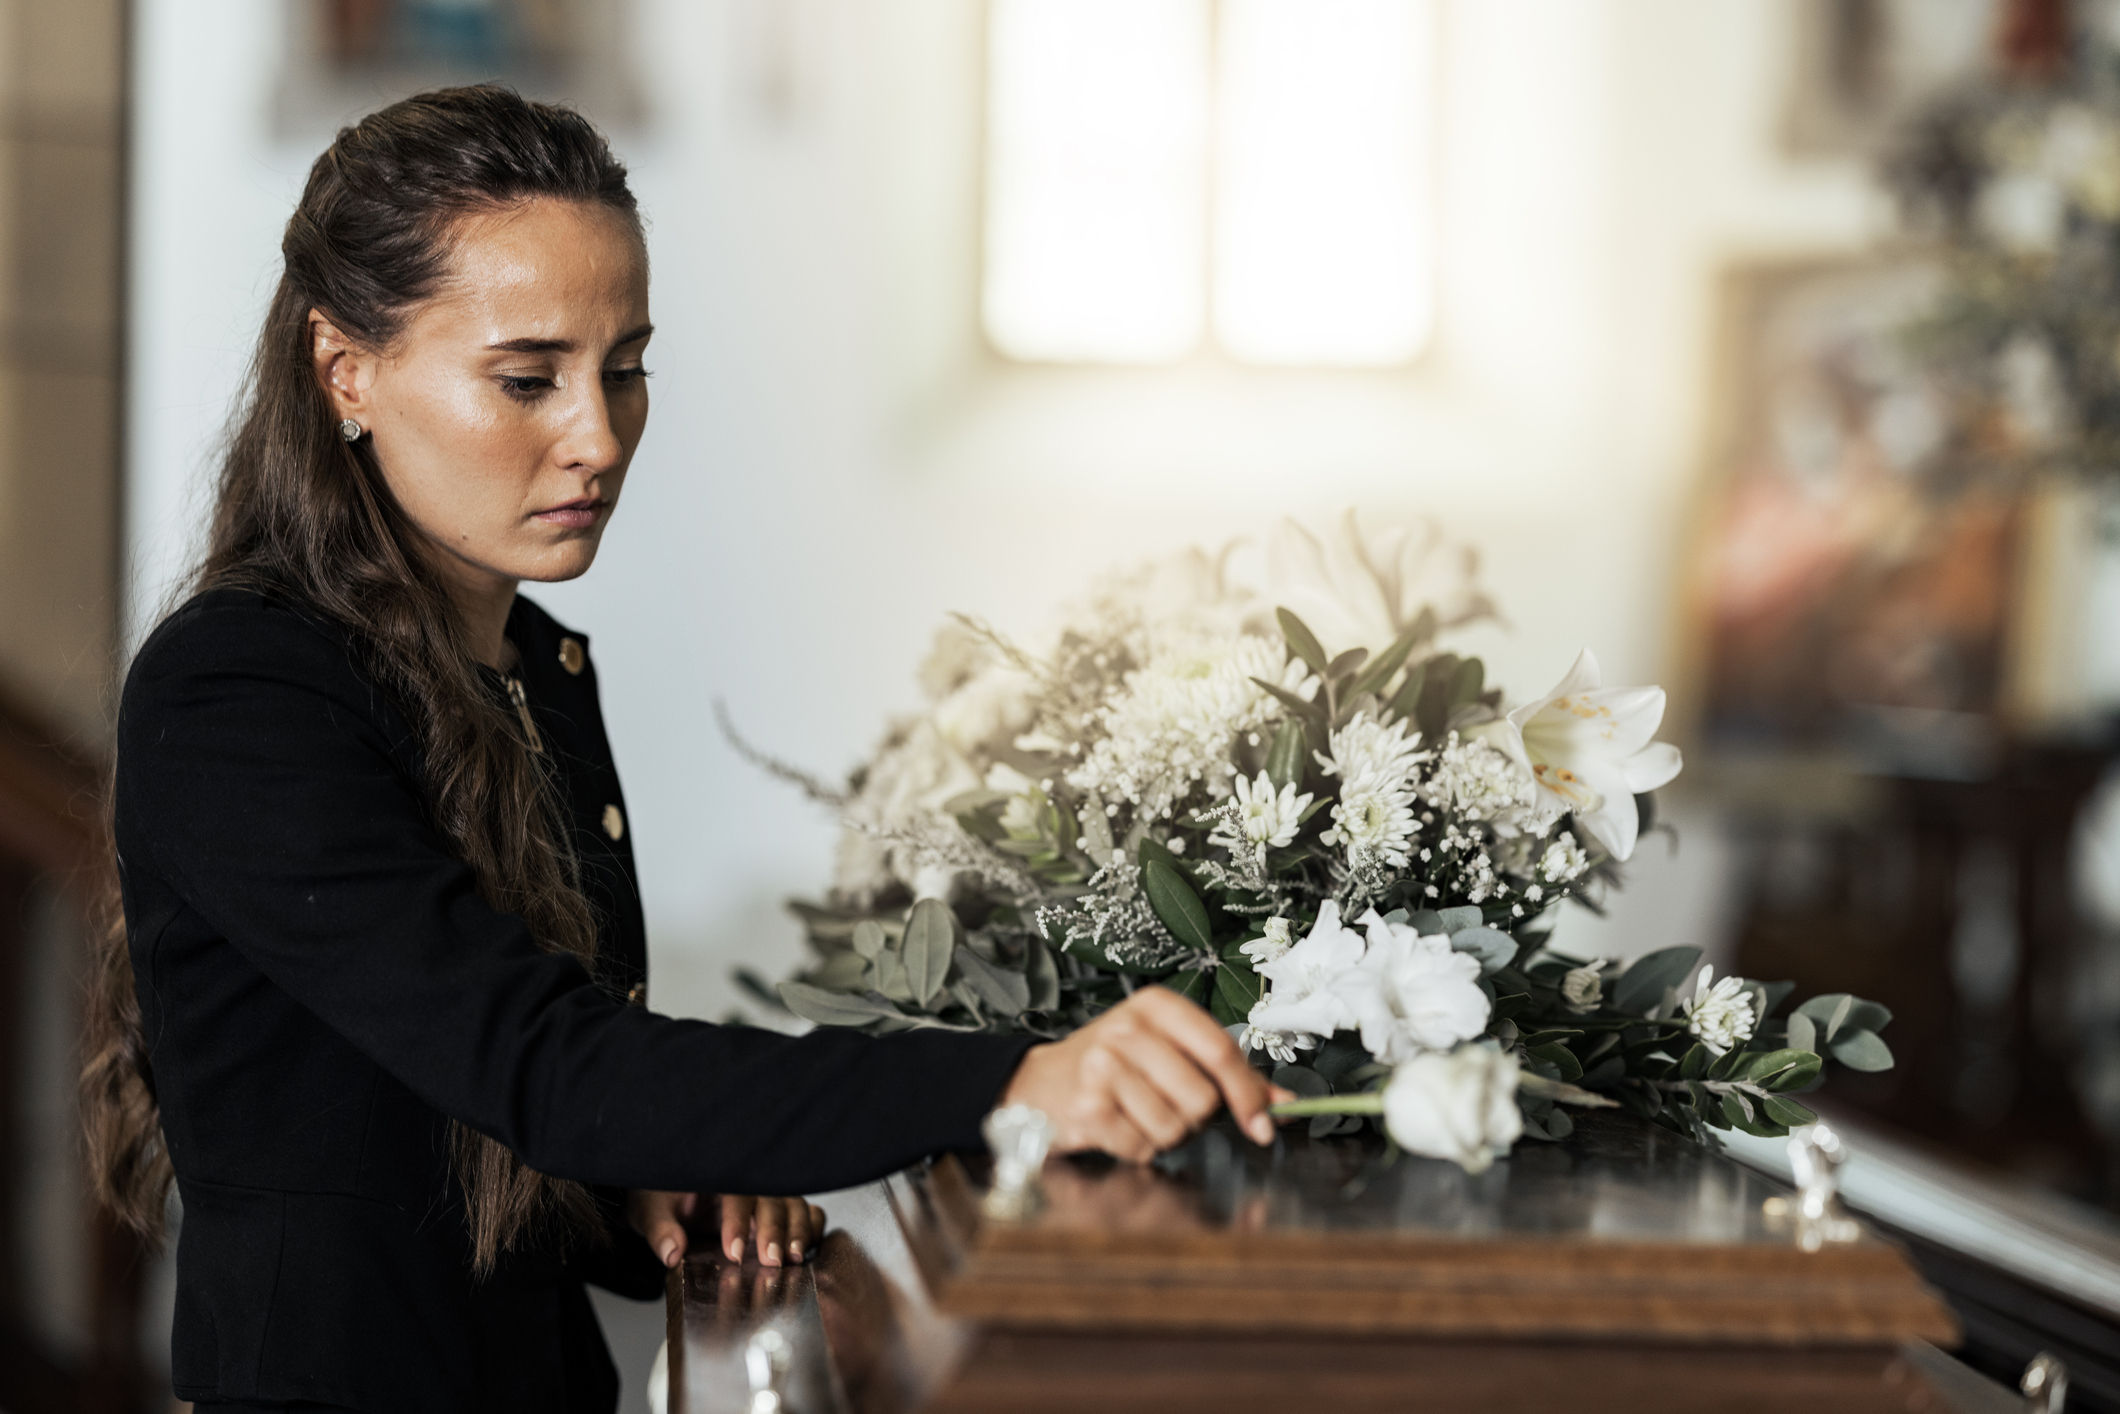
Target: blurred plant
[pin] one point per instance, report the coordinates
(2017, 175)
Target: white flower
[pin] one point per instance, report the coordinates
(1720, 1015)
(1374, 823)
(1169, 728)
(1368, 750)
(1263, 817)
(1583, 988)
(1590, 749)
(1359, 590)
(1273, 946)
(1563, 861)
(1412, 993)
(1283, 1046)
(1476, 779)
(1458, 1105)
(1301, 996)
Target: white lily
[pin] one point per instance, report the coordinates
(1589, 749)
(1358, 589)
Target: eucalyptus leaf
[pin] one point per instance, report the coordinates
(829, 1008)
(1007, 993)
(1457, 919)
(1495, 950)
(1803, 1032)
(1379, 671)
(1470, 681)
(1862, 1050)
(1347, 663)
(869, 938)
(1305, 1082)
(930, 939)
(842, 972)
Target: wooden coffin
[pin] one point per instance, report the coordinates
(1624, 1269)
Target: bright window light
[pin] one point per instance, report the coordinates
(1096, 198)
(1322, 223)
(1148, 159)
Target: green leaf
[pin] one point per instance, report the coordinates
(1494, 950)
(1177, 905)
(1862, 1050)
(1379, 671)
(1785, 1111)
(1237, 989)
(1345, 664)
(930, 939)
(1286, 758)
(1560, 1058)
(1803, 1033)
(1044, 976)
(869, 939)
(1006, 993)
(1457, 920)
(888, 975)
(1471, 680)
(1694, 1064)
(1641, 987)
(842, 972)
(1289, 700)
(1406, 702)
(829, 1008)
(1305, 1082)
(1191, 984)
(1302, 641)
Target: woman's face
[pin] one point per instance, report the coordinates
(505, 414)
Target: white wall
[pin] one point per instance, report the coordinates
(833, 462)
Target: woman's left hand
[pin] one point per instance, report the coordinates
(786, 1229)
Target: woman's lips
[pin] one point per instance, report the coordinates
(575, 515)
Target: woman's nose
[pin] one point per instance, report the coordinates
(590, 439)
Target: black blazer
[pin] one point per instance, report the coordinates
(321, 986)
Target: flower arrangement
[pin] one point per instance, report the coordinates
(1280, 796)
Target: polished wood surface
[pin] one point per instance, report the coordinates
(1318, 1275)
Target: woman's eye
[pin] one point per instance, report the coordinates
(625, 377)
(523, 389)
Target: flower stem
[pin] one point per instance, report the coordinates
(1370, 1102)
(1531, 1083)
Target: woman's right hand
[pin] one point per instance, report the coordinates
(1140, 1078)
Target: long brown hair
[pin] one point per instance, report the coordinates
(302, 513)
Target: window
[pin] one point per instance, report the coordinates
(1160, 172)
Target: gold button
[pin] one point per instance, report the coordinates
(614, 823)
(573, 659)
(638, 994)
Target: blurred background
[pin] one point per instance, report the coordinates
(1771, 348)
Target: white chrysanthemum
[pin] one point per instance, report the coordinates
(1719, 1016)
(1260, 817)
(1366, 749)
(1271, 948)
(1169, 728)
(1283, 1046)
(1564, 860)
(1477, 781)
(1375, 824)
(1412, 993)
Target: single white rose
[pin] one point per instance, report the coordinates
(1412, 993)
(1458, 1105)
(1583, 989)
(1302, 998)
(1589, 749)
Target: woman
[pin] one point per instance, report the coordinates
(375, 1006)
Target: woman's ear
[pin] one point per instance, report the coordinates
(343, 369)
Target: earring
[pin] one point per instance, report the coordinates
(351, 430)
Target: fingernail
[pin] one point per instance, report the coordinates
(772, 1254)
(736, 1249)
(669, 1254)
(795, 1250)
(1262, 1128)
